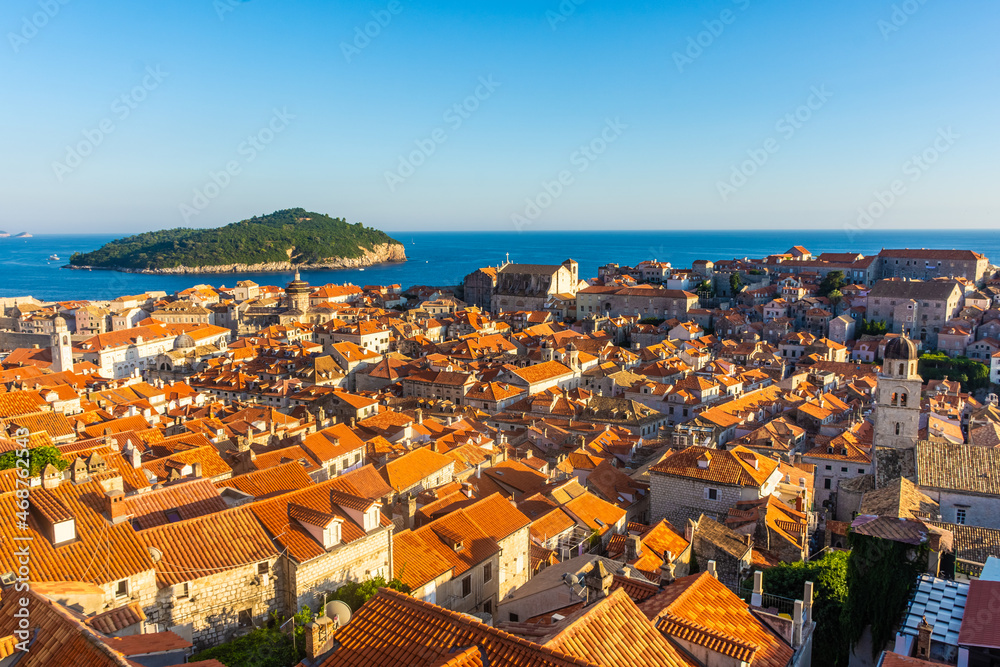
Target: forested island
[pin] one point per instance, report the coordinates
(275, 242)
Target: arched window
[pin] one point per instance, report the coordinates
(895, 399)
(901, 369)
(897, 428)
(902, 400)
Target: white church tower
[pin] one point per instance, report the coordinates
(897, 396)
(61, 347)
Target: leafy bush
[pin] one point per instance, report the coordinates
(39, 457)
(314, 237)
(829, 577)
(971, 374)
(356, 594)
(263, 647)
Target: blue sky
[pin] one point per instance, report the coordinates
(594, 115)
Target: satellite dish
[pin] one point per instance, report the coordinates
(339, 609)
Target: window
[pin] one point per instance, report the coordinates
(262, 567)
(246, 618)
(487, 572)
(960, 516)
(488, 607)
(184, 591)
(121, 590)
(514, 618)
(861, 471)
(173, 516)
(827, 483)
(467, 586)
(829, 467)
(712, 494)
(844, 469)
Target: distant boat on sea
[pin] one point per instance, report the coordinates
(53, 257)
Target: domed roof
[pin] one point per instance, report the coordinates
(901, 348)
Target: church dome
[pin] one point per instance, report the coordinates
(902, 349)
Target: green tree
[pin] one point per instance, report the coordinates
(735, 282)
(832, 281)
(970, 373)
(263, 647)
(39, 457)
(835, 297)
(880, 577)
(356, 593)
(829, 577)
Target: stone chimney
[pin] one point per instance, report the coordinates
(797, 624)
(633, 548)
(924, 631)
(598, 582)
(50, 477)
(667, 568)
(757, 597)
(114, 505)
(411, 512)
(196, 468)
(712, 570)
(318, 635)
(807, 602)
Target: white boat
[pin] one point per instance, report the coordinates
(53, 257)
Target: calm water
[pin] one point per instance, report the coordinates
(444, 258)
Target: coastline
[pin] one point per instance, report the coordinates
(386, 253)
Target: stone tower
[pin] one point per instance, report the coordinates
(298, 292)
(897, 396)
(61, 347)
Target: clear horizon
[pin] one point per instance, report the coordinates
(548, 116)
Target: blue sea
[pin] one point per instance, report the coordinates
(444, 258)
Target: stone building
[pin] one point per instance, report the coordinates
(897, 396)
(635, 301)
(915, 309)
(699, 480)
(927, 264)
(529, 286)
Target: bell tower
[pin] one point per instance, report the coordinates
(897, 396)
(61, 347)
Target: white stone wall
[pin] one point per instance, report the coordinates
(209, 614)
(358, 561)
(514, 563)
(677, 499)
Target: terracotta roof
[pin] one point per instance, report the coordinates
(207, 545)
(149, 642)
(979, 605)
(411, 468)
(113, 620)
(393, 629)
(734, 467)
(62, 639)
(270, 481)
(189, 499)
(700, 609)
(945, 465)
(101, 553)
(615, 633)
(900, 499)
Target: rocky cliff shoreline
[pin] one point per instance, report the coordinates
(384, 253)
